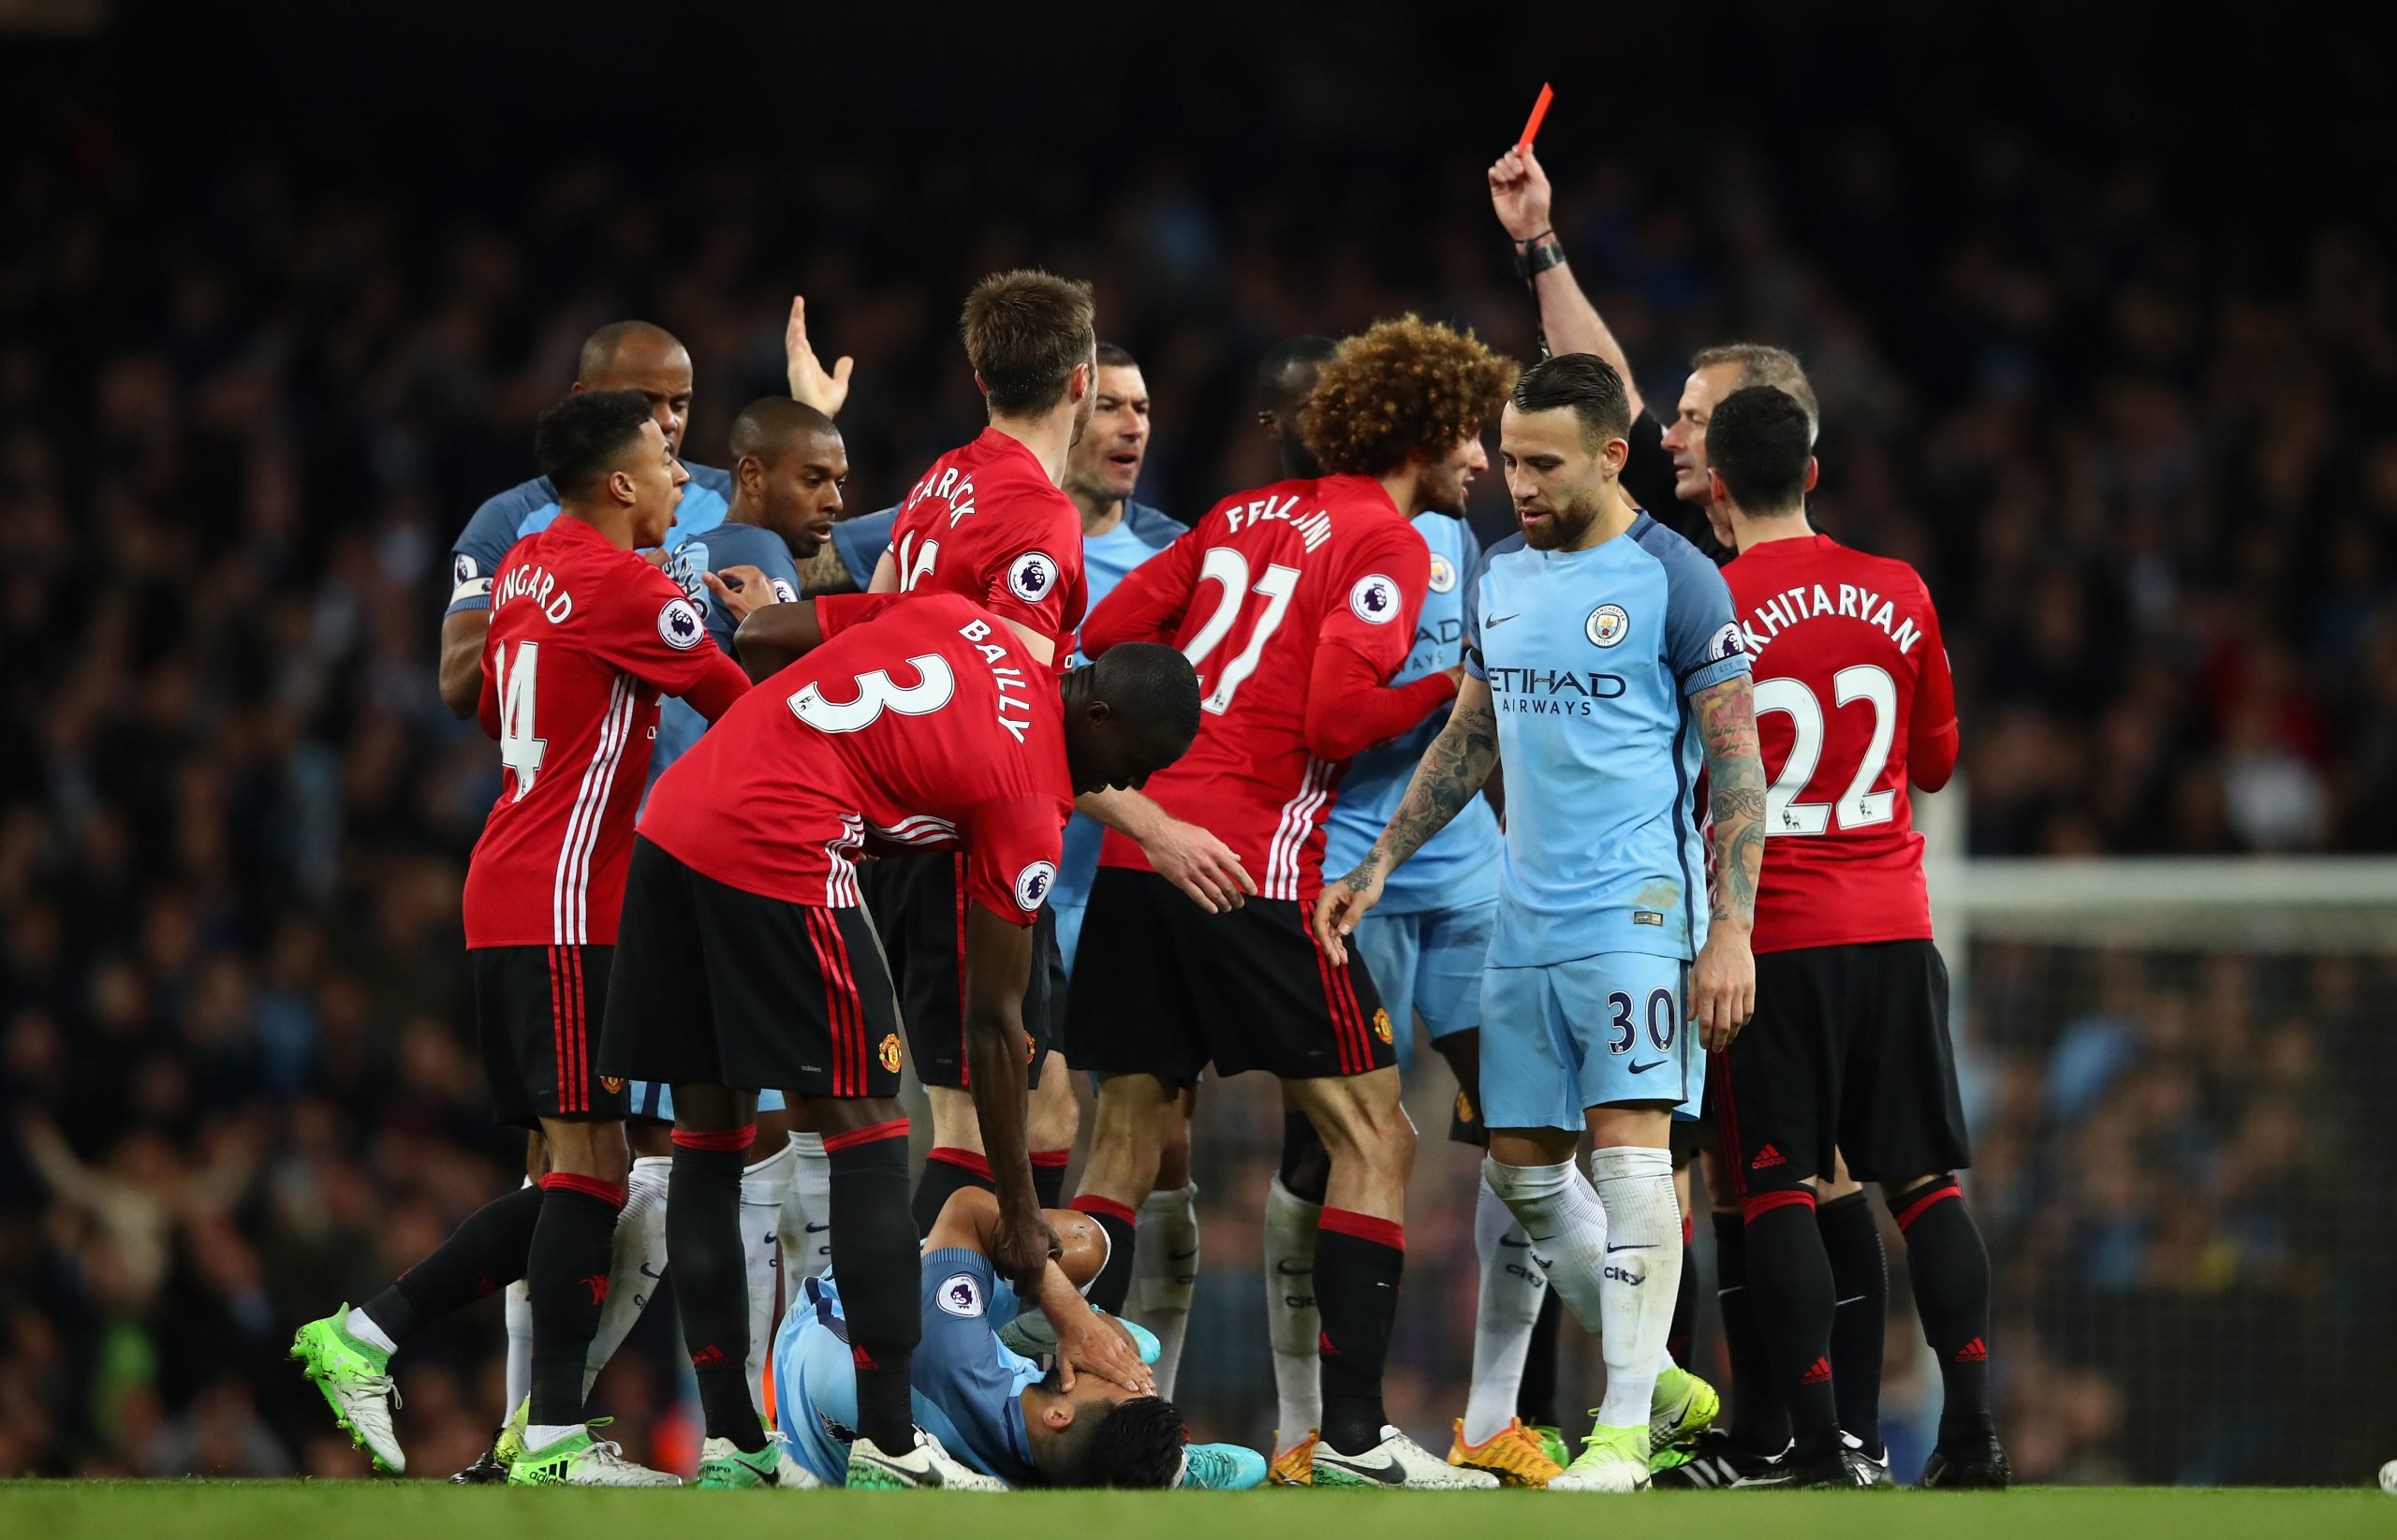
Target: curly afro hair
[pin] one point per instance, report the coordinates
(1405, 386)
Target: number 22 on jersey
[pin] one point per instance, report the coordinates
(1229, 568)
(521, 749)
(1860, 806)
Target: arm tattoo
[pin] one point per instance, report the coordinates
(825, 573)
(1450, 776)
(1735, 781)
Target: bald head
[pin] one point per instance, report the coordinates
(638, 356)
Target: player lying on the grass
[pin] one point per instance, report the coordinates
(919, 722)
(1095, 1420)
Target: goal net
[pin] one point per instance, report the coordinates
(2182, 1078)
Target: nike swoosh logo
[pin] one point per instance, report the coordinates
(1388, 1473)
(645, 1271)
(1288, 1271)
(1181, 1256)
(1631, 1246)
(818, 1229)
(1524, 1244)
(1501, 620)
(1653, 1064)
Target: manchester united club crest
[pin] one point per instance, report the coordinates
(615, 1085)
(1381, 1022)
(1607, 625)
(889, 1052)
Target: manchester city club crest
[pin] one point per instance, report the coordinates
(1443, 573)
(1607, 625)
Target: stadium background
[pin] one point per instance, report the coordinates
(2098, 302)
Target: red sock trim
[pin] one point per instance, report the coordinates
(1689, 1229)
(1939, 1191)
(609, 1192)
(895, 1129)
(1052, 1157)
(965, 1160)
(716, 1138)
(1090, 1203)
(1381, 1232)
(1756, 1204)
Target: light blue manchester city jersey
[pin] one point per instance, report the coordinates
(1591, 656)
(1458, 867)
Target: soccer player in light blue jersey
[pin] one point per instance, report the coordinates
(1604, 666)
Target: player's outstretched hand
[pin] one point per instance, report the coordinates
(740, 590)
(810, 384)
(1519, 191)
(1020, 1248)
(1098, 1344)
(1343, 903)
(1722, 988)
(1200, 864)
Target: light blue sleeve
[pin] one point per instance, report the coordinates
(861, 542)
(1477, 574)
(1702, 641)
(495, 527)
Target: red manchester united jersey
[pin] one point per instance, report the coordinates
(1853, 697)
(584, 639)
(920, 721)
(987, 523)
(1249, 595)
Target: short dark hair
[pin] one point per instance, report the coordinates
(581, 439)
(1284, 363)
(600, 348)
(1026, 332)
(1585, 383)
(1151, 686)
(769, 425)
(1135, 1444)
(1116, 355)
(1759, 441)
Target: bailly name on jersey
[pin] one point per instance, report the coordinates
(1788, 608)
(539, 584)
(1550, 692)
(1314, 528)
(1005, 676)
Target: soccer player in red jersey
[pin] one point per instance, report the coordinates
(1849, 1044)
(584, 638)
(911, 724)
(1297, 602)
(992, 520)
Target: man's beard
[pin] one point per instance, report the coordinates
(1566, 523)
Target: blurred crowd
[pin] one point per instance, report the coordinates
(245, 406)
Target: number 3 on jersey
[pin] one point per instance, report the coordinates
(519, 749)
(1229, 567)
(932, 690)
(1858, 805)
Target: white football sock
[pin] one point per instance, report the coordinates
(762, 1187)
(1567, 1225)
(1511, 1291)
(362, 1326)
(519, 1348)
(1165, 1274)
(1293, 1323)
(636, 1262)
(540, 1435)
(1643, 1274)
(807, 1213)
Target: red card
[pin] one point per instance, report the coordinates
(1539, 110)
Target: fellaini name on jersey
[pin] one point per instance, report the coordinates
(1803, 603)
(1551, 692)
(1314, 528)
(539, 584)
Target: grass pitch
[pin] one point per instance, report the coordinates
(424, 1510)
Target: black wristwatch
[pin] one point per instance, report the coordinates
(1537, 258)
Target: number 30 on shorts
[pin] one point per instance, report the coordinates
(1664, 1015)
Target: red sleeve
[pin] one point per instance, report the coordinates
(657, 635)
(836, 612)
(1013, 844)
(1033, 572)
(1931, 737)
(1380, 598)
(1350, 710)
(1148, 603)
